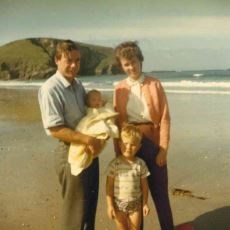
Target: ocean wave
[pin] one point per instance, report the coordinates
(100, 89)
(190, 84)
(200, 84)
(85, 84)
(170, 87)
(213, 92)
(20, 83)
(176, 91)
(182, 83)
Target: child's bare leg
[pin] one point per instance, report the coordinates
(135, 220)
(121, 220)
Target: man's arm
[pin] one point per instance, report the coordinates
(68, 135)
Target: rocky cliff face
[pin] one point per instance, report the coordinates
(34, 59)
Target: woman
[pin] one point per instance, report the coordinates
(141, 100)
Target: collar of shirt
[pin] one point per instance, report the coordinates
(132, 82)
(64, 81)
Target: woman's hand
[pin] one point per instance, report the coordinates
(161, 158)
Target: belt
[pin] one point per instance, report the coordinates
(145, 124)
(141, 123)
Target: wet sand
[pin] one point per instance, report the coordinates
(198, 161)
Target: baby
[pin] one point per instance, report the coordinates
(98, 123)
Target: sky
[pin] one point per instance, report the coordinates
(173, 34)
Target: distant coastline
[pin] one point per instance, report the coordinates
(33, 58)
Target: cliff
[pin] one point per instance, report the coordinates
(34, 59)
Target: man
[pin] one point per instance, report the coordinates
(62, 104)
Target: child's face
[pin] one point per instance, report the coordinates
(129, 148)
(95, 100)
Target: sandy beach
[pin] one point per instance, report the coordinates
(198, 162)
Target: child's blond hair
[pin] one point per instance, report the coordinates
(130, 132)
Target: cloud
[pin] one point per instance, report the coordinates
(161, 27)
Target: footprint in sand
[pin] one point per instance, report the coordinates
(188, 193)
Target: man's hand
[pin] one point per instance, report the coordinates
(94, 145)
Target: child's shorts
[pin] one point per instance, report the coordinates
(128, 207)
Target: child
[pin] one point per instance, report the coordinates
(98, 123)
(126, 185)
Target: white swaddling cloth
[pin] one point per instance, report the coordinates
(97, 123)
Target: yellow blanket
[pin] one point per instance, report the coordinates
(97, 123)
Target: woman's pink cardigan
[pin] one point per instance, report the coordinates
(157, 103)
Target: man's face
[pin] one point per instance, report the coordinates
(132, 67)
(69, 64)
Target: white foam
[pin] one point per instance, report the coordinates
(214, 92)
(200, 84)
(100, 89)
(115, 83)
(19, 83)
(86, 83)
(167, 85)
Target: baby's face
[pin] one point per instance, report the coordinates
(95, 100)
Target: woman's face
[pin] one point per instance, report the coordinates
(132, 67)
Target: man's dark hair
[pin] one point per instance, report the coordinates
(65, 47)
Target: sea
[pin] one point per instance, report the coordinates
(174, 82)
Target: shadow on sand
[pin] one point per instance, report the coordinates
(218, 219)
